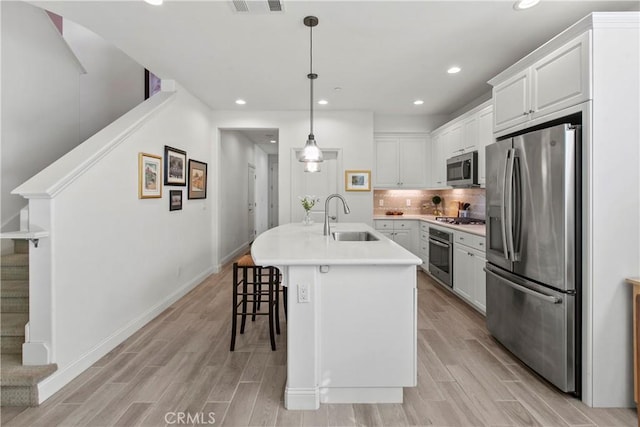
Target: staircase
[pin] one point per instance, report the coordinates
(18, 383)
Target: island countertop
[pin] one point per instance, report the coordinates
(298, 244)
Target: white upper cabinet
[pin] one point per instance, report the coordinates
(557, 81)
(401, 161)
(471, 131)
(485, 137)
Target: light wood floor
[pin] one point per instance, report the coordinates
(180, 362)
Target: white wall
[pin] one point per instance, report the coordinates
(119, 260)
(350, 131)
(40, 97)
(406, 123)
(262, 190)
(113, 83)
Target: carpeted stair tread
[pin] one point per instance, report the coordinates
(14, 260)
(13, 324)
(14, 374)
(14, 289)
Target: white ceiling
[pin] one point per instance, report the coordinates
(383, 54)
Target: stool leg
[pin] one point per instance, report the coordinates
(285, 291)
(271, 302)
(273, 278)
(244, 298)
(234, 319)
(257, 288)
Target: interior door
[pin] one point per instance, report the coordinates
(320, 184)
(251, 203)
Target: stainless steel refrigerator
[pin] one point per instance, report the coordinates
(533, 250)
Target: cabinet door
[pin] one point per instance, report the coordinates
(469, 141)
(485, 137)
(463, 273)
(454, 142)
(412, 161)
(386, 166)
(387, 234)
(511, 101)
(561, 79)
(480, 282)
(403, 238)
(438, 159)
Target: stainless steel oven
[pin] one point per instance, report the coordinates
(441, 255)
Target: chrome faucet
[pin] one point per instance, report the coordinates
(327, 227)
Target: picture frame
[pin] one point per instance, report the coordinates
(175, 166)
(175, 200)
(197, 180)
(149, 176)
(357, 180)
(152, 84)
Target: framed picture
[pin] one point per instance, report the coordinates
(357, 180)
(149, 176)
(197, 180)
(175, 166)
(151, 84)
(175, 200)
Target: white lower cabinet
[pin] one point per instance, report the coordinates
(423, 245)
(468, 275)
(403, 232)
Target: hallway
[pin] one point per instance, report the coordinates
(180, 364)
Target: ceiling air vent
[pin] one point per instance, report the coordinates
(241, 6)
(275, 5)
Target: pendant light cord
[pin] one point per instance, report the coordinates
(311, 76)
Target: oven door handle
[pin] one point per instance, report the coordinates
(442, 245)
(521, 288)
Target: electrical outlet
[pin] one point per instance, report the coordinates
(381, 202)
(303, 293)
(408, 202)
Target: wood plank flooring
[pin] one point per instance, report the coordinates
(180, 364)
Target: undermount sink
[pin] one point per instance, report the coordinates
(353, 236)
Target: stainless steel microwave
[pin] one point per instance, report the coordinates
(462, 170)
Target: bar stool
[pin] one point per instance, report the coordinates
(250, 283)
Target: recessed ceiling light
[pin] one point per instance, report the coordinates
(453, 70)
(525, 4)
(273, 141)
(337, 89)
(240, 101)
(323, 102)
(418, 102)
(154, 2)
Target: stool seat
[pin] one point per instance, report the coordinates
(245, 261)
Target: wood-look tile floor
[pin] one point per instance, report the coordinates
(180, 363)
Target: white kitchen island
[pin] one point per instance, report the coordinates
(352, 313)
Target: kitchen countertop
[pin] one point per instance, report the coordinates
(298, 244)
(477, 229)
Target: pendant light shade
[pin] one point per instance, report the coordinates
(311, 153)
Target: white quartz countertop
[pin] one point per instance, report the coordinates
(480, 230)
(297, 244)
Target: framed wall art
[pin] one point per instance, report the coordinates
(175, 200)
(175, 166)
(197, 180)
(149, 176)
(357, 180)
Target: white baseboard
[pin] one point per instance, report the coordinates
(302, 398)
(66, 374)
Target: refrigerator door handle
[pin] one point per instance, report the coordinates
(548, 298)
(516, 202)
(503, 212)
(508, 183)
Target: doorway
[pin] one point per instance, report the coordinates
(251, 202)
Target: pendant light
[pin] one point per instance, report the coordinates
(311, 155)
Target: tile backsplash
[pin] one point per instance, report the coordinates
(421, 204)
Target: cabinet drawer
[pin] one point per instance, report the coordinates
(472, 240)
(384, 224)
(424, 236)
(403, 225)
(424, 226)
